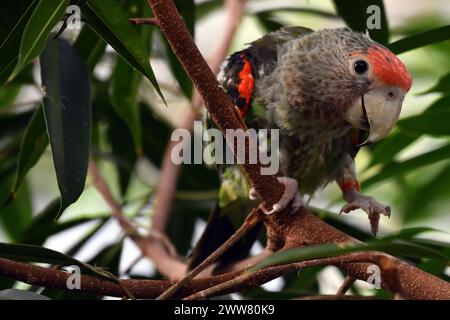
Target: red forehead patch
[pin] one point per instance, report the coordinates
(388, 68)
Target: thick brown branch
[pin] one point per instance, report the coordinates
(247, 278)
(170, 171)
(216, 101)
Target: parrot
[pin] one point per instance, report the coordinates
(329, 92)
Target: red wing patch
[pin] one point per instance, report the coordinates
(239, 81)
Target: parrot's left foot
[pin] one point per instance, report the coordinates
(373, 209)
(290, 196)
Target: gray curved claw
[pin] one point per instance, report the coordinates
(373, 209)
(290, 196)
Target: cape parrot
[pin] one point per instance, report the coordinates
(325, 91)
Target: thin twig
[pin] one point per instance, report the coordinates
(276, 271)
(155, 246)
(252, 220)
(144, 21)
(345, 286)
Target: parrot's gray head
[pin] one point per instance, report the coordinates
(346, 70)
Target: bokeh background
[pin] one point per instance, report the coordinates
(410, 171)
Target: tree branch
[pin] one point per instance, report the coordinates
(165, 191)
(144, 21)
(155, 246)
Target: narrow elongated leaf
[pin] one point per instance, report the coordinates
(46, 14)
(433, 123)
(14, 16)
(124, 152)
(67, 109)
(124, 87)
(403, 248)
(386, 150)
(111, 23)
(355, 14)
(44, 224)
(33, 145)
(187, 10)
(35, 139)
(85, 238)
(420, 40)
(204, 8)
(317, 12)
(30, 253)
(398, 168)
(177, 70)
(268, 22)
(15, 218)
(8, 95)
(108, 258)
(420, 206)
(90, 47)
(443, 85)
(409, 233)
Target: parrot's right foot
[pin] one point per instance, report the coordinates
(290, 196)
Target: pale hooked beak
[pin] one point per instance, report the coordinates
(377, 111)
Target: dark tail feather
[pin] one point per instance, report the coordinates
(219, 228)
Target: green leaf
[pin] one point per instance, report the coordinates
(90, 47)
(111, 23)
(433, 123)
(14, 123)
(15, 218)
(204, 8)
(355, 15)
(8, 95)
(386, 150)
(397, 168)
(85, 238)
(317, 12)
(124, 153)
(30, 253)
(124, 89)
(67, 109)
(268, 22)
(193, 177)
(437, 188)
(44, 17)
(401, 247)
(420, 40)
(177, 70)
(33, 145)
(408, 233)
(38, 235)
(14, 16)
(108, 258)
(187, 10)
(443, 85)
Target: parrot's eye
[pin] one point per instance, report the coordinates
(361, 66)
